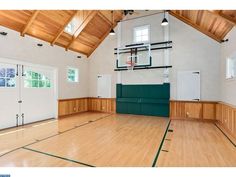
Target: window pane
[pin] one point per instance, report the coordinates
(41, 84)
(28, 75)
(27, 83)
(34, 75)
(35, 83)
(145, 32)
(2, 72)
(144, 38)
(2, 82)
(48, 84)
(10, 82)
(138, 32)
(11, 72)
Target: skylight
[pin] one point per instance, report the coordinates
(72, 26)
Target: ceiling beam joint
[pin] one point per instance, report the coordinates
(30, 21)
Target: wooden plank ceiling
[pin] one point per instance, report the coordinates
(48, 25)
(94, 25)
(215, 23)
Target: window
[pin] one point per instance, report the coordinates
(73, 75)
(7, 77)
(36, 80)
(231, 68)
(141, 34)
(72, 26)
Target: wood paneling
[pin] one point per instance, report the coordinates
(72, 106)
(226, 116)
(102, 104)
(209, 111)
(215, 24)
(77, 105)
(48, 25)
(192, 110)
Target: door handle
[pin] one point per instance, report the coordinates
(23, 118)
(17, 119)
(23, 70)
(17, 70)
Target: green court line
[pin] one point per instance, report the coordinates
(54, 135)
(225, 135)
(67, 130)
(63, 158)
(159, 149)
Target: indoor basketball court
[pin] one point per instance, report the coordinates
(117, 88)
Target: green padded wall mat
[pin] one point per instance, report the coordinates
(143, 99)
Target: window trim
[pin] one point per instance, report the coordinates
(142, 27)
(73, 68)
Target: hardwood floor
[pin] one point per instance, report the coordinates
(26, 158)
(101, 139)
(196, 144)
(18, 137)
(118, 140)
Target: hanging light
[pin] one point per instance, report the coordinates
(112, 32)
(164, 21)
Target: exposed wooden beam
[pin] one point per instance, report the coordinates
(103, 37)
(218, 13)
(187, 21)
(63, 28)
(30, 21)
(82, 26)
(105, 18)
(100, 41)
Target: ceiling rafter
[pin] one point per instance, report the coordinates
(189, 22)
(105, 18)
(63, 28)
(218, 13)
(82, 26)
(30, 21)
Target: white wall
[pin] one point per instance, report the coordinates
(192, 50)
(13, 46)
(228, 87)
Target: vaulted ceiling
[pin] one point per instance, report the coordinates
(94, 25)
(215, 23)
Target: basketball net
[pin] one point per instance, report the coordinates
(130, 65)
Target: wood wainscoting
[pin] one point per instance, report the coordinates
(226, 119)
(77, 105)
(102, 104)
(200, 110)
(72, 106)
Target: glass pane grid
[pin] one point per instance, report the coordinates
(7, 77)
(36, 80)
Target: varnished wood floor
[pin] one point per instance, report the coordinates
(196, 144)
(111, 140)
(100, 139)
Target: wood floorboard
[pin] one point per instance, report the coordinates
(196, 144)
(17, 137)
(120, 140)
(26, 158)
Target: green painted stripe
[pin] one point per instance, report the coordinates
(159, 149)
(66, 131)
(225, 135)
(37, 141)
(63, 158)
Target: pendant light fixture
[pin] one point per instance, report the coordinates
(112, 32)
(164, 21)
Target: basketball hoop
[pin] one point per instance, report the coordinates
(130, 65)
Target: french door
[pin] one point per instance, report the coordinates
(9, 95)
(37, 94)
(27, 94)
